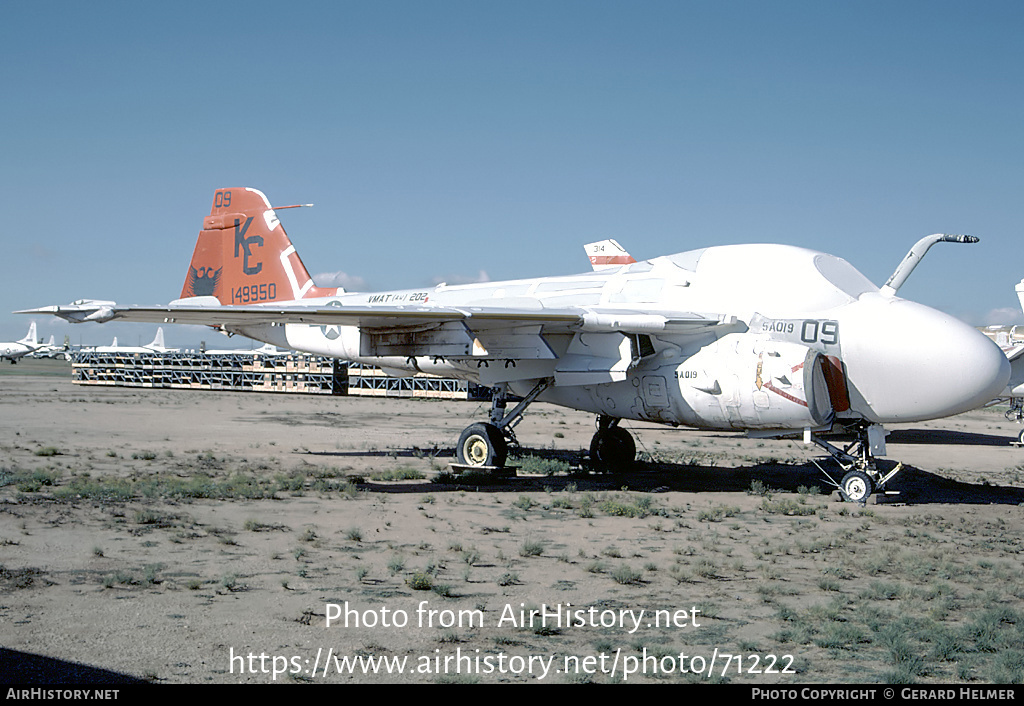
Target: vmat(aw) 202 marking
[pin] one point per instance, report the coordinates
(769, 339)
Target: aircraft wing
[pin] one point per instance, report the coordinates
(381, 318)
(1014, 353)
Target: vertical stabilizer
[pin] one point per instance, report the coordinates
(1020, 293)
(243, 255)
(158, 340)
(30, 337)
(607, 254)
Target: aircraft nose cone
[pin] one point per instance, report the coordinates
(907, 362)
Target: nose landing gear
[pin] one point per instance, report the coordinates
(857, 459)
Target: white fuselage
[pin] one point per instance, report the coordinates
(785, 313)
(12, 350)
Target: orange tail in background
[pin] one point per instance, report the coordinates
(243, 255)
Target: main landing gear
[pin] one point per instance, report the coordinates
(857, 459)
(1016, 413)
(486, 444)
(612, 446)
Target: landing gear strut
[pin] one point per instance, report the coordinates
(612, 446)
(1016, 413)
(857, 459)
(487, 444)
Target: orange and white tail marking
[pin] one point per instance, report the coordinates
(607, 254)
(243, 255)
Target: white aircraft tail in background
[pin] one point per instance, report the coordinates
(769, 339)
(1011, 340)
(13, 350)
(156, 346)
(607, 254)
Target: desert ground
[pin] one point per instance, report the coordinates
(201, 537)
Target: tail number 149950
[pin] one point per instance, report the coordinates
(252, 293)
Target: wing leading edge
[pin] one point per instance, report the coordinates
(383, 318)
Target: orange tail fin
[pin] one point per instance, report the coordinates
(243, 255)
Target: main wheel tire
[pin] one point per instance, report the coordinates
(856, 487)
(612, 449)
(1020, 437)
(482, 445)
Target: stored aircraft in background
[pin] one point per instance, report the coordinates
(769, 339)
(264, 350)
(13, 350)
(156, 346)
(1011, 340)
(607, 255)
(50, 349)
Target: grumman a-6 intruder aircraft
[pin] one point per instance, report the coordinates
(770, 339)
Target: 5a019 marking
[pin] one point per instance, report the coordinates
(810, 331)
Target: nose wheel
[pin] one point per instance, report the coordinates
(862, 477)
(856, 487)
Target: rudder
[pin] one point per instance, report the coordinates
(30, 337)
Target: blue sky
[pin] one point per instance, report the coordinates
(459, 140)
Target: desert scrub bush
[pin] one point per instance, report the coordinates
(29, 481)
(253, 525)
(560, 503)
(354, 534)
(395, 474)
(531, 547)
(509, 578)
(586, 507)
(537, 465)
(626, 575)
(787, 506)
(759, 488)
(718, 513)
(524, 502)
(443, 590)
(111, 489)
(840, 636)
(420, 581)
(616, 507)
(47, 451)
